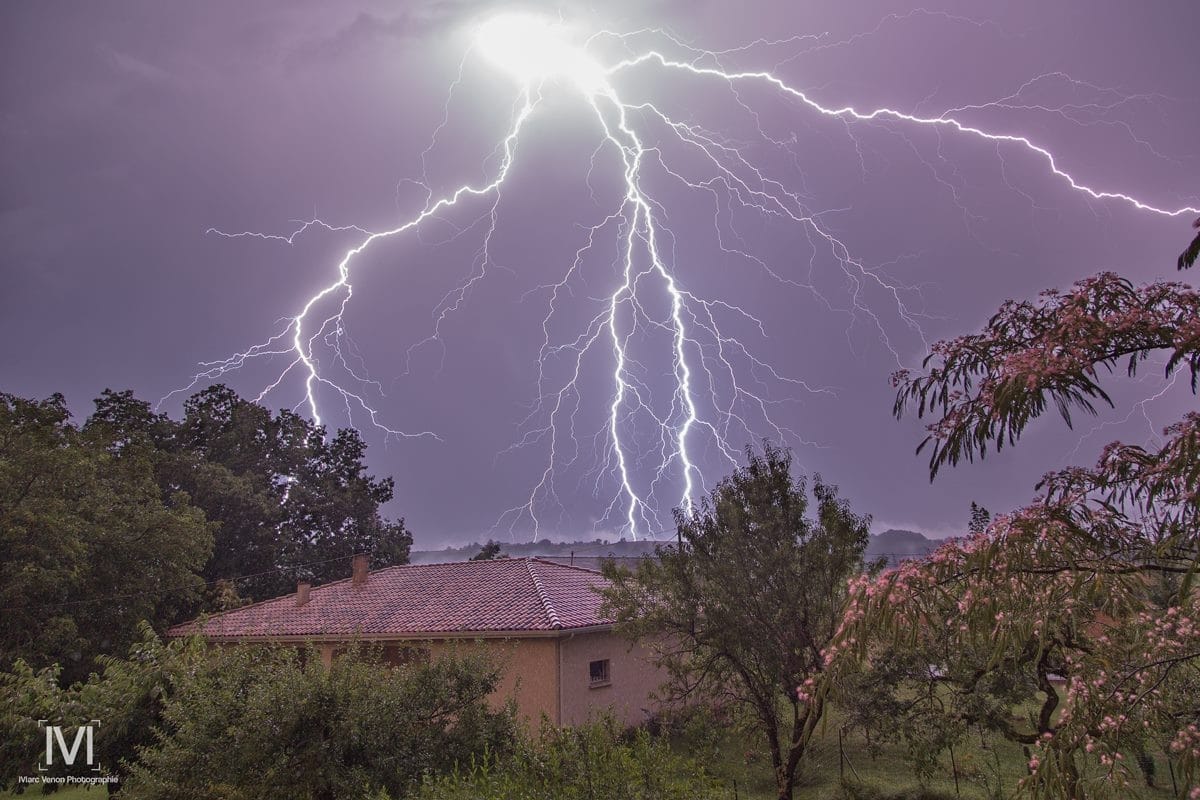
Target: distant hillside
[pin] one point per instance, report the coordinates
(893, 544)
(896, 545)
(546, 548)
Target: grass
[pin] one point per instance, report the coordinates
(66, 793)
(987, 767)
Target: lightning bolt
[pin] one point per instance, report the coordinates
(650, 326)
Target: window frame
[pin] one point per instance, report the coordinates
(605, 678)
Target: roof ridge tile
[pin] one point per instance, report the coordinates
(550, 560)
(543, 595)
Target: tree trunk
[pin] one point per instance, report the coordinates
(785, 770)
(777, 762)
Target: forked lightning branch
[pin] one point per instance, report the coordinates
(720, 394)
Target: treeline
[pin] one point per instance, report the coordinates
(133, 516)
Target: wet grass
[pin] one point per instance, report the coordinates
(987, 767)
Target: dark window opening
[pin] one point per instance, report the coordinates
(598, 672)
(402, 655)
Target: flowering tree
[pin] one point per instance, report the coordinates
(1084, 602)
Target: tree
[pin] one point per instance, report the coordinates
(980, 518)
(1094, 580)
(741, 608)
(91, 547)
(289, 502)
(488, 552)
(1188, 257)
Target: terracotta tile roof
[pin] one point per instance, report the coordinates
(507, 594)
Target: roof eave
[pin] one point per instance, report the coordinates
(418, 636)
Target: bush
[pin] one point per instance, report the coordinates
(852, 791)
(261, 723)
(592, 762)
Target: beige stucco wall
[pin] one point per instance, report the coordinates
(632, 678)
(530, 673)
(548, 675)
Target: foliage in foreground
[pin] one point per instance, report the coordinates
(740, 610)
(181, 720)
(264, 723)
(1093, 583)
(591, 762)
(128, 697)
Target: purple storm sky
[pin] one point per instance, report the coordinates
(129, 129)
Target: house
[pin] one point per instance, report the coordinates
(541, 620)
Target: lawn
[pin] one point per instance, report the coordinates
(987, 767)
(67, 793)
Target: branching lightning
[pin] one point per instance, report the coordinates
(721, 393)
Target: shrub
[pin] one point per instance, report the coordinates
(592, 762)
(261, 723)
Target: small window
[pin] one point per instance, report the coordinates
(598, 673)
(402, 655)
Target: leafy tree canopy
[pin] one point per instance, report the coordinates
(135, 516)
(742, 607)
(289, 502)
(1092, 584)
(91, 545)
(488, 552)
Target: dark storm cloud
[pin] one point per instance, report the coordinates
(127, 129)
(368, 30)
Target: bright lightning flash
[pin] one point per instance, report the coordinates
(721, 391)
(532, 49)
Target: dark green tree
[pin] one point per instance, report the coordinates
(128, 695)
(90, 545)
(980, 518)
(739, 611)
(487, 552)
(1188, 257)
(288, 502)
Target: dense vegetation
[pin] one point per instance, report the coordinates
(740, 610)
(183, 720)
(134, 516)
(1082, 603)
(591, 762)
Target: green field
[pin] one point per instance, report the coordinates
(987, 767)
(71, 793)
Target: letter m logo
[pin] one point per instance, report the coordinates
(56, 740)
